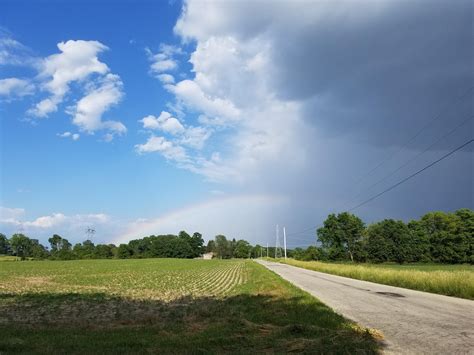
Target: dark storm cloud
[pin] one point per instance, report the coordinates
(378, 79)
(367, 76)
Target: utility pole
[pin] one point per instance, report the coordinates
(277, 242)
(267, 250)
(284, 240)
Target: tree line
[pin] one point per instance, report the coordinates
(161, 246)
(436, 237)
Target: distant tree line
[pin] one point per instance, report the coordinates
(435, 237)
(161, 246)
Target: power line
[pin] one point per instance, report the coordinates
(411, 176)
(394, 185)
(411, 139)
(414, 158)
(437, 117)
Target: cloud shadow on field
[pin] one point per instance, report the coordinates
(98, 322)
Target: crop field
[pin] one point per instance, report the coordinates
(450, 280)
(166, 306)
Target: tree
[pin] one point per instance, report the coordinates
(466, 232)
(211, 246)
(60, 248)
(197, 244)
(389, 240)
(123, 251)
(341, 235)
(242, 249)
(419, 242)
(223, 248)
(232, 245)
(257, 251)
(84, 250)
(103, 251)
(21, 245)
(308, 254)
(38, 251)
(4, 245)
(449, 236)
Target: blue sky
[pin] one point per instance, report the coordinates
(150, 117)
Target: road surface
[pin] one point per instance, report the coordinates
(412, 322)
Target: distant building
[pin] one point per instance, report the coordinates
(207, 256)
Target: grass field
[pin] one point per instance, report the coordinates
(450, 280)
(165, 306)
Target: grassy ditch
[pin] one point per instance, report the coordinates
(449, 280)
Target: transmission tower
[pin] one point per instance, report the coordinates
(277, 244)
(90, 231)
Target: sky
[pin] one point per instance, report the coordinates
(150, 117)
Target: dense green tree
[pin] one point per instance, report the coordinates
(419, 243)
(242, 249)
(389, 240)
(84, 250)
(341, 235)
(211, 246)
(223, 247)
(308, 254)
(232, 245)
(61, 248)
(21, 245)
(448, 236)
(124, 251)
(257, 251)
(466, 232)
(58, 243)
(38, 251)
(4, 245)
(103, 251)
(197, 244)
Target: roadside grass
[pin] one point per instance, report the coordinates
(449, 280)
(166, 306)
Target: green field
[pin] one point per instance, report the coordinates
(165, 306)
(450, 280)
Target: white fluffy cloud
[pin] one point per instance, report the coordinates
(15, 217)
(77, 61)
(10, 215)
(165, 122)
(231, 92)
(67, 134)
(166, 78)
(169, 150)
(180, 136)
(15, 87)
(163, 61)
(87, 113)
(15, 220)
(195, 137)
(220, 110)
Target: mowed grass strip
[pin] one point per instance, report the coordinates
(165, 306)
(449, 280)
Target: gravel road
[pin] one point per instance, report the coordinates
(412, 322)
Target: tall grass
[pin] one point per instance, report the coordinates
(457, 282)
